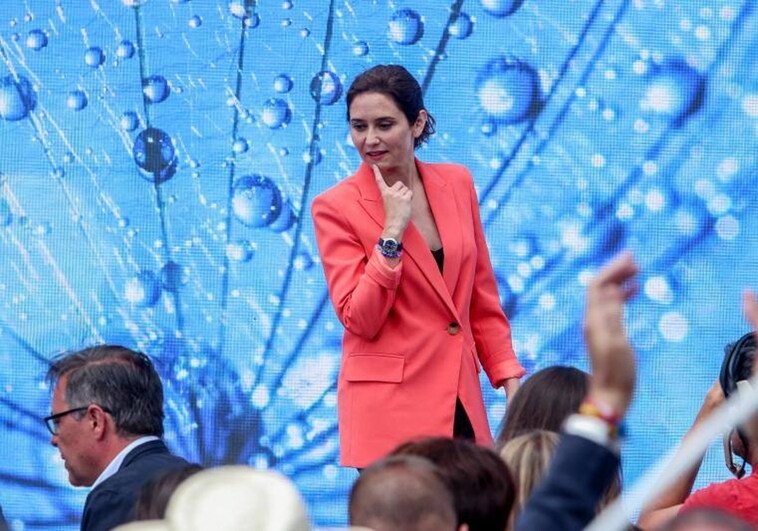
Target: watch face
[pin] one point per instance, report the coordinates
(390, 245)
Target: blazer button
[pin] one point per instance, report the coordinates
(453, 329)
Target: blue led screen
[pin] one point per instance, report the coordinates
(159, 157)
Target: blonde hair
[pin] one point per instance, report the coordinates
(528, 456)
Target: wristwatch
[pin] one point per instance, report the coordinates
(390, 247)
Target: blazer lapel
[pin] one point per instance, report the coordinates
(445, 210)
(414, 245)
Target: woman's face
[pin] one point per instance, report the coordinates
(381, 132)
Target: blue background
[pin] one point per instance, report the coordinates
(590, 126)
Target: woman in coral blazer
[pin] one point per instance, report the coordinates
(422, 320)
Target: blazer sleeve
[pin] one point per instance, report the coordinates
(362, 287)
(489, 325)
(575, 483)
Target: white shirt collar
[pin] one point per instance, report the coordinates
(114, 465)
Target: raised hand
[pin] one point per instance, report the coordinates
(397, 205)
(611, 356)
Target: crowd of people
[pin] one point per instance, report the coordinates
(555, 464)
(409, 275)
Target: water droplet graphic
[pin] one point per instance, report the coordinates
(501, 8)
(360, 48)
(240, 146)
(36, 39)
(173, 276)
(315, 158)
(257, 201)
(282, 83)
(195, 21)
(302, 261)
(17, 98)
(675, 90)
(508, 90)
(155, 154)
(129, 121)
(405, 27)
(276, 113)
(76, 100)
(239, 251)
(156, 88)
(253, 21)
(326, 88)
(489, 128)
(142, 289)
(237, 9)
(286, 218)
(462, 26)
(125, 49)
(94, 56)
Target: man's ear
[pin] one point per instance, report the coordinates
(97, 420)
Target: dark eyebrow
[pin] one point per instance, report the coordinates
(380, 119)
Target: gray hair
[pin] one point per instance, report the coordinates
(120, 380)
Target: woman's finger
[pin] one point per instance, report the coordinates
(379, 178)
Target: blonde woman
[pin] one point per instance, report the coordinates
(528, 457)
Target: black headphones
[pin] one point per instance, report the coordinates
(736, 367)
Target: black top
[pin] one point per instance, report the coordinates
(439, 257)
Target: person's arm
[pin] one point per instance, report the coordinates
(362, 288)
(667, 506)
(586, 459)
(489, 325)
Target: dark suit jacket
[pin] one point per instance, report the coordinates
(576, 481)
(112, 502)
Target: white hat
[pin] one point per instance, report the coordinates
(237, 498)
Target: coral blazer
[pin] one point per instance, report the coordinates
(415, 339)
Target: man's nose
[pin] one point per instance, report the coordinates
(54, 440)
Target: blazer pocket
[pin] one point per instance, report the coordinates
(374, 368)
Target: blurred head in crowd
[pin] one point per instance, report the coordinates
(544, 402)
(528, 457)
(707, 520)
(482, 486)
(154, 495)
(402, 492)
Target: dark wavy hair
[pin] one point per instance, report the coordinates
(544, 402)
(153, 496)
(397, 83)
(118, 379)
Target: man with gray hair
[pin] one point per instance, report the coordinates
(107, 423)
(402, 492)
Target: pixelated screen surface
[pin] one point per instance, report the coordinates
(159, 157)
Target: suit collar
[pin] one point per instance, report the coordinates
(126, 455)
